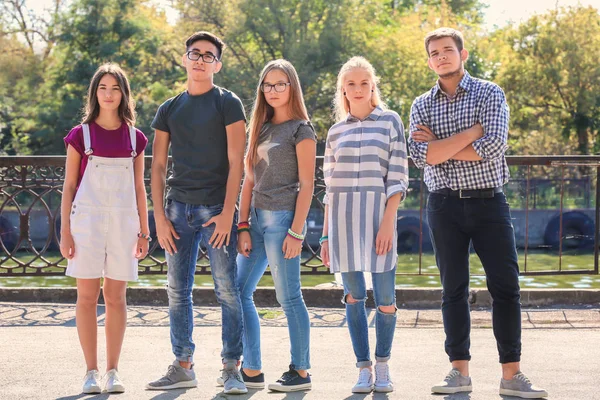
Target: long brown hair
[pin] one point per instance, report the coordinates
(262, 112)
(341, 105)
(127, 105)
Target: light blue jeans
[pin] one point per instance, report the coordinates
(268, 230)
(187, 219)
(384, 291)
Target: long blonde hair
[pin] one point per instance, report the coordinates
(341, 105)
(262, 112)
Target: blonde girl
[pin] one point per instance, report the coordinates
(366, 177)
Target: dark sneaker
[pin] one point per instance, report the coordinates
(232, 381)
(291, 381)
(176, 377)
(454, 383)
(521, 386)
(252, 382)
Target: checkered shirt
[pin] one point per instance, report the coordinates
(476, 101)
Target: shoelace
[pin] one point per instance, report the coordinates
(381, 372)
(452, 374)
(288, 376)
(520, 376)
(364, 377)
(90, 374)
(231, 373)
(171, 371)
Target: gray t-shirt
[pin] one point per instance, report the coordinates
(276, 171)
(196, 125)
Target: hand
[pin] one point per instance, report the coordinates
(424, 134)
(325, 253)
(141, 248)
(222, 230)
(383, 242)
(244, 244)
(166, 234)
(67, 245)
(291, 247)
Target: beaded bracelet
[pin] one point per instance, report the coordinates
(295, 235)
(295, 238)
(144, 236)
(323, 239)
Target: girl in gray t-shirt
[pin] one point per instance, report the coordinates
(276, 196)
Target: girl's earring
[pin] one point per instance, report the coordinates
(344, 93)
(371, 90)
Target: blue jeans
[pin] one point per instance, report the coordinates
(268, 230)
(187, 219)
(454, 224)
(384, 291)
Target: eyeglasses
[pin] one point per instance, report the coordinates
(196, 55)
(279, 87)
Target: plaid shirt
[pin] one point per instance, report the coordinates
(476, 101)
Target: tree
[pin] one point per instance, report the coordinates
(552, 76)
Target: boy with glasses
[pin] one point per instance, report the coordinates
(205, 127)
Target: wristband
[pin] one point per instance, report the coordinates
(323, 239)
(144, 236)
(294, 237)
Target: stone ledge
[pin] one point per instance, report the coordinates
(315, 297)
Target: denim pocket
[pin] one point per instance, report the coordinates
(436, 202)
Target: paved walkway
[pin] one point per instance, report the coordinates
(40, 356)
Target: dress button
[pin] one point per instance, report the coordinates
(73, 212)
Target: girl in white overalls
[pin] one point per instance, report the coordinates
(104, 230)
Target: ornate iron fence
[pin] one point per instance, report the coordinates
(563, 189)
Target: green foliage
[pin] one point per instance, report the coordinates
(546, 65)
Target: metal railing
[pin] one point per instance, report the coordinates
(30, 190)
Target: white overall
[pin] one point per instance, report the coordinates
(104, 217)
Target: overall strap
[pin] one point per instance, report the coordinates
(87, 141)
(132, 138)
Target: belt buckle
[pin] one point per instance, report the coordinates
(461, 196)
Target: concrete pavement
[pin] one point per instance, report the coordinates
(40, 356)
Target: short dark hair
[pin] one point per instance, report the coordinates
(209, 37)
(441, 33)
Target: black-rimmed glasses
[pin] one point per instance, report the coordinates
(279, 87)
(196, 55)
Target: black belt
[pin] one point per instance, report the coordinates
(470, 193)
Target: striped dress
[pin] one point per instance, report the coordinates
(365, 163)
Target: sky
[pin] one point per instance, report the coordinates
(498, 14)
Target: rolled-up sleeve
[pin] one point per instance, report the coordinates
(328, 167)
(397, 175)
(494, 119)
(418, 150)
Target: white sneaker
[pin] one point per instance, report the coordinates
(383, 383)
(112, 383)
(90, 382)
(365, 382)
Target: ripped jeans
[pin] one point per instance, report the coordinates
(268, 230)
(384, 291)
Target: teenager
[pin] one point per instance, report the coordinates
(205, 128)
(458, 134)
(104, 216)
(366, 177)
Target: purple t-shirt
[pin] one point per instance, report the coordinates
(105, 143)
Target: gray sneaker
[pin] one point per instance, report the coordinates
(233, 382)
(454, 383)
(521, 386)
(176, 377)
